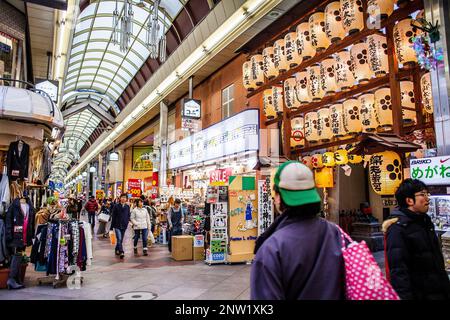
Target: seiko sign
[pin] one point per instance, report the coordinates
(415, 162)
(431, 171)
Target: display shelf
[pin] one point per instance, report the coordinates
(398, 14)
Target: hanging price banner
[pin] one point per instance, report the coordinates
(134, 187)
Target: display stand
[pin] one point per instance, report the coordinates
(217, 252)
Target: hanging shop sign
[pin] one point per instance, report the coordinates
(236, 134)
(119, 188)
(265, 206)
(220, 177)
(192, 108)
(50, 87)
(134, 187)
(385, 172)
(99, 194)
(431, 171)
(142, 158)
(188, 124)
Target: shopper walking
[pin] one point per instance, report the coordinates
(106, 209)
(120, 219)
(175, 220)
(415, 262)
(152, 213)
(299, 256)
(91, 208)
(72, 209)
(141, 225)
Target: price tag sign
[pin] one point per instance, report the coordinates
(134, 187)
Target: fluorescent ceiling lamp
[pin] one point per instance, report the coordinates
(113, 156)
(92, 169)
(227, 32)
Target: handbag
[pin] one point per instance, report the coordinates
(151, 237)
(363, 277)
(112, 237)
(103, 217)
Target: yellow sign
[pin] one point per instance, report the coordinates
(142, 159)
(324, 178)
(99, 194)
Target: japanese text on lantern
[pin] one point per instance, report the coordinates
(375, 171)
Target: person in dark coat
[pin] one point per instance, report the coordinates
(120, 216)
(299, 256)
(175, 220)
(415, 263)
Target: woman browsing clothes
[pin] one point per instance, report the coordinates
(141, 225)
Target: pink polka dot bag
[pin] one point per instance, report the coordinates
(363, 277)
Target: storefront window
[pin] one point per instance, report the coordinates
(228, 102)
(7, 52)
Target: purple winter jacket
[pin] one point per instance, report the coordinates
(301, 260)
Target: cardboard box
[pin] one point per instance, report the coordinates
(182, 248)
(199, 254)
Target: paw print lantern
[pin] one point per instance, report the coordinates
(307, 161)
(247, 80)
(311, 134)
(293, 57)
(297, 132)
(290, 96)
(369, 118)
(328, 159)
(408, 102)
(352, 13)
(316, 161)
(337, 120)
(280, 55)
(333, 22)
(301, 87)
(304, 44)
(383, 106)
(378, 58)
(277, 96)
(269, 63)
(385, 172)
(403, 34)
(327, 76)
(341, 157)
(427, 95)
(314, 83)
(324, 125)
(269, 109)
(343, 70)
(319, 38)
(352, 121)
(257, 67)
(359, 57)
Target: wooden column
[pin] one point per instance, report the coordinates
(417, 75)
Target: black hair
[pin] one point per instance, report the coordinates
(124, 195)
(407, 189)
(304, 210)
(136, 202)
(177, 201)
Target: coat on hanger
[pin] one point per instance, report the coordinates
(17, 164)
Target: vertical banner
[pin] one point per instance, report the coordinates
(217, 252)
(265, 205)
(119, 188)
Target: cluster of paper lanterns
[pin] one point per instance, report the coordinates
(339, 19)
(330, 159)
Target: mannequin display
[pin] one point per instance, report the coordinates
(17, 160)
(19, 234)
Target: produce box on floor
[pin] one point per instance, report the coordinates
(199, 254)
(182, 248)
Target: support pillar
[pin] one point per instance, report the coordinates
(163, 127)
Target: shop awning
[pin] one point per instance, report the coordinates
(377, 142)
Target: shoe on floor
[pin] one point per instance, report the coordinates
(135, 251)
(122, 255)
(117, 253)
(145, 252)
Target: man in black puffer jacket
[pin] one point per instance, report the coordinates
(414, 258)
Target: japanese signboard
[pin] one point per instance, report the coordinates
(119, 188)
(220, 177)
(192, 108)
(431, 171)
(134, 187)
(265, 206)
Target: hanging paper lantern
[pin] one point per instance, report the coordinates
(351, 116)
(378, 58)
(277, 96)
(333, 22)
(269, 63)
(324, 125)
(380, 8)
(354, 159)
(427, 95)
(328, 159)
(269, 109)
(297, 132)
(311, 134)
(385, 172)
(324, 178)
(316, 161)
(247, 80)
(327, 76)
(383, 106)
(293, 57)
(301, 87)
(319, 38)
(369, 118)
(337, 120)
(307, 161)
(343, 68)
(280, 55)
(408, 102)
(352, 13)
(341, 157)
(403, 34)
(360, 65)
(290, 97)
(304, 41)
(314, 84)
(257, 65)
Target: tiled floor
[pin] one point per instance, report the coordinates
(156, 276)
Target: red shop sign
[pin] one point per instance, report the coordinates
(134, 187)
(220, 177)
